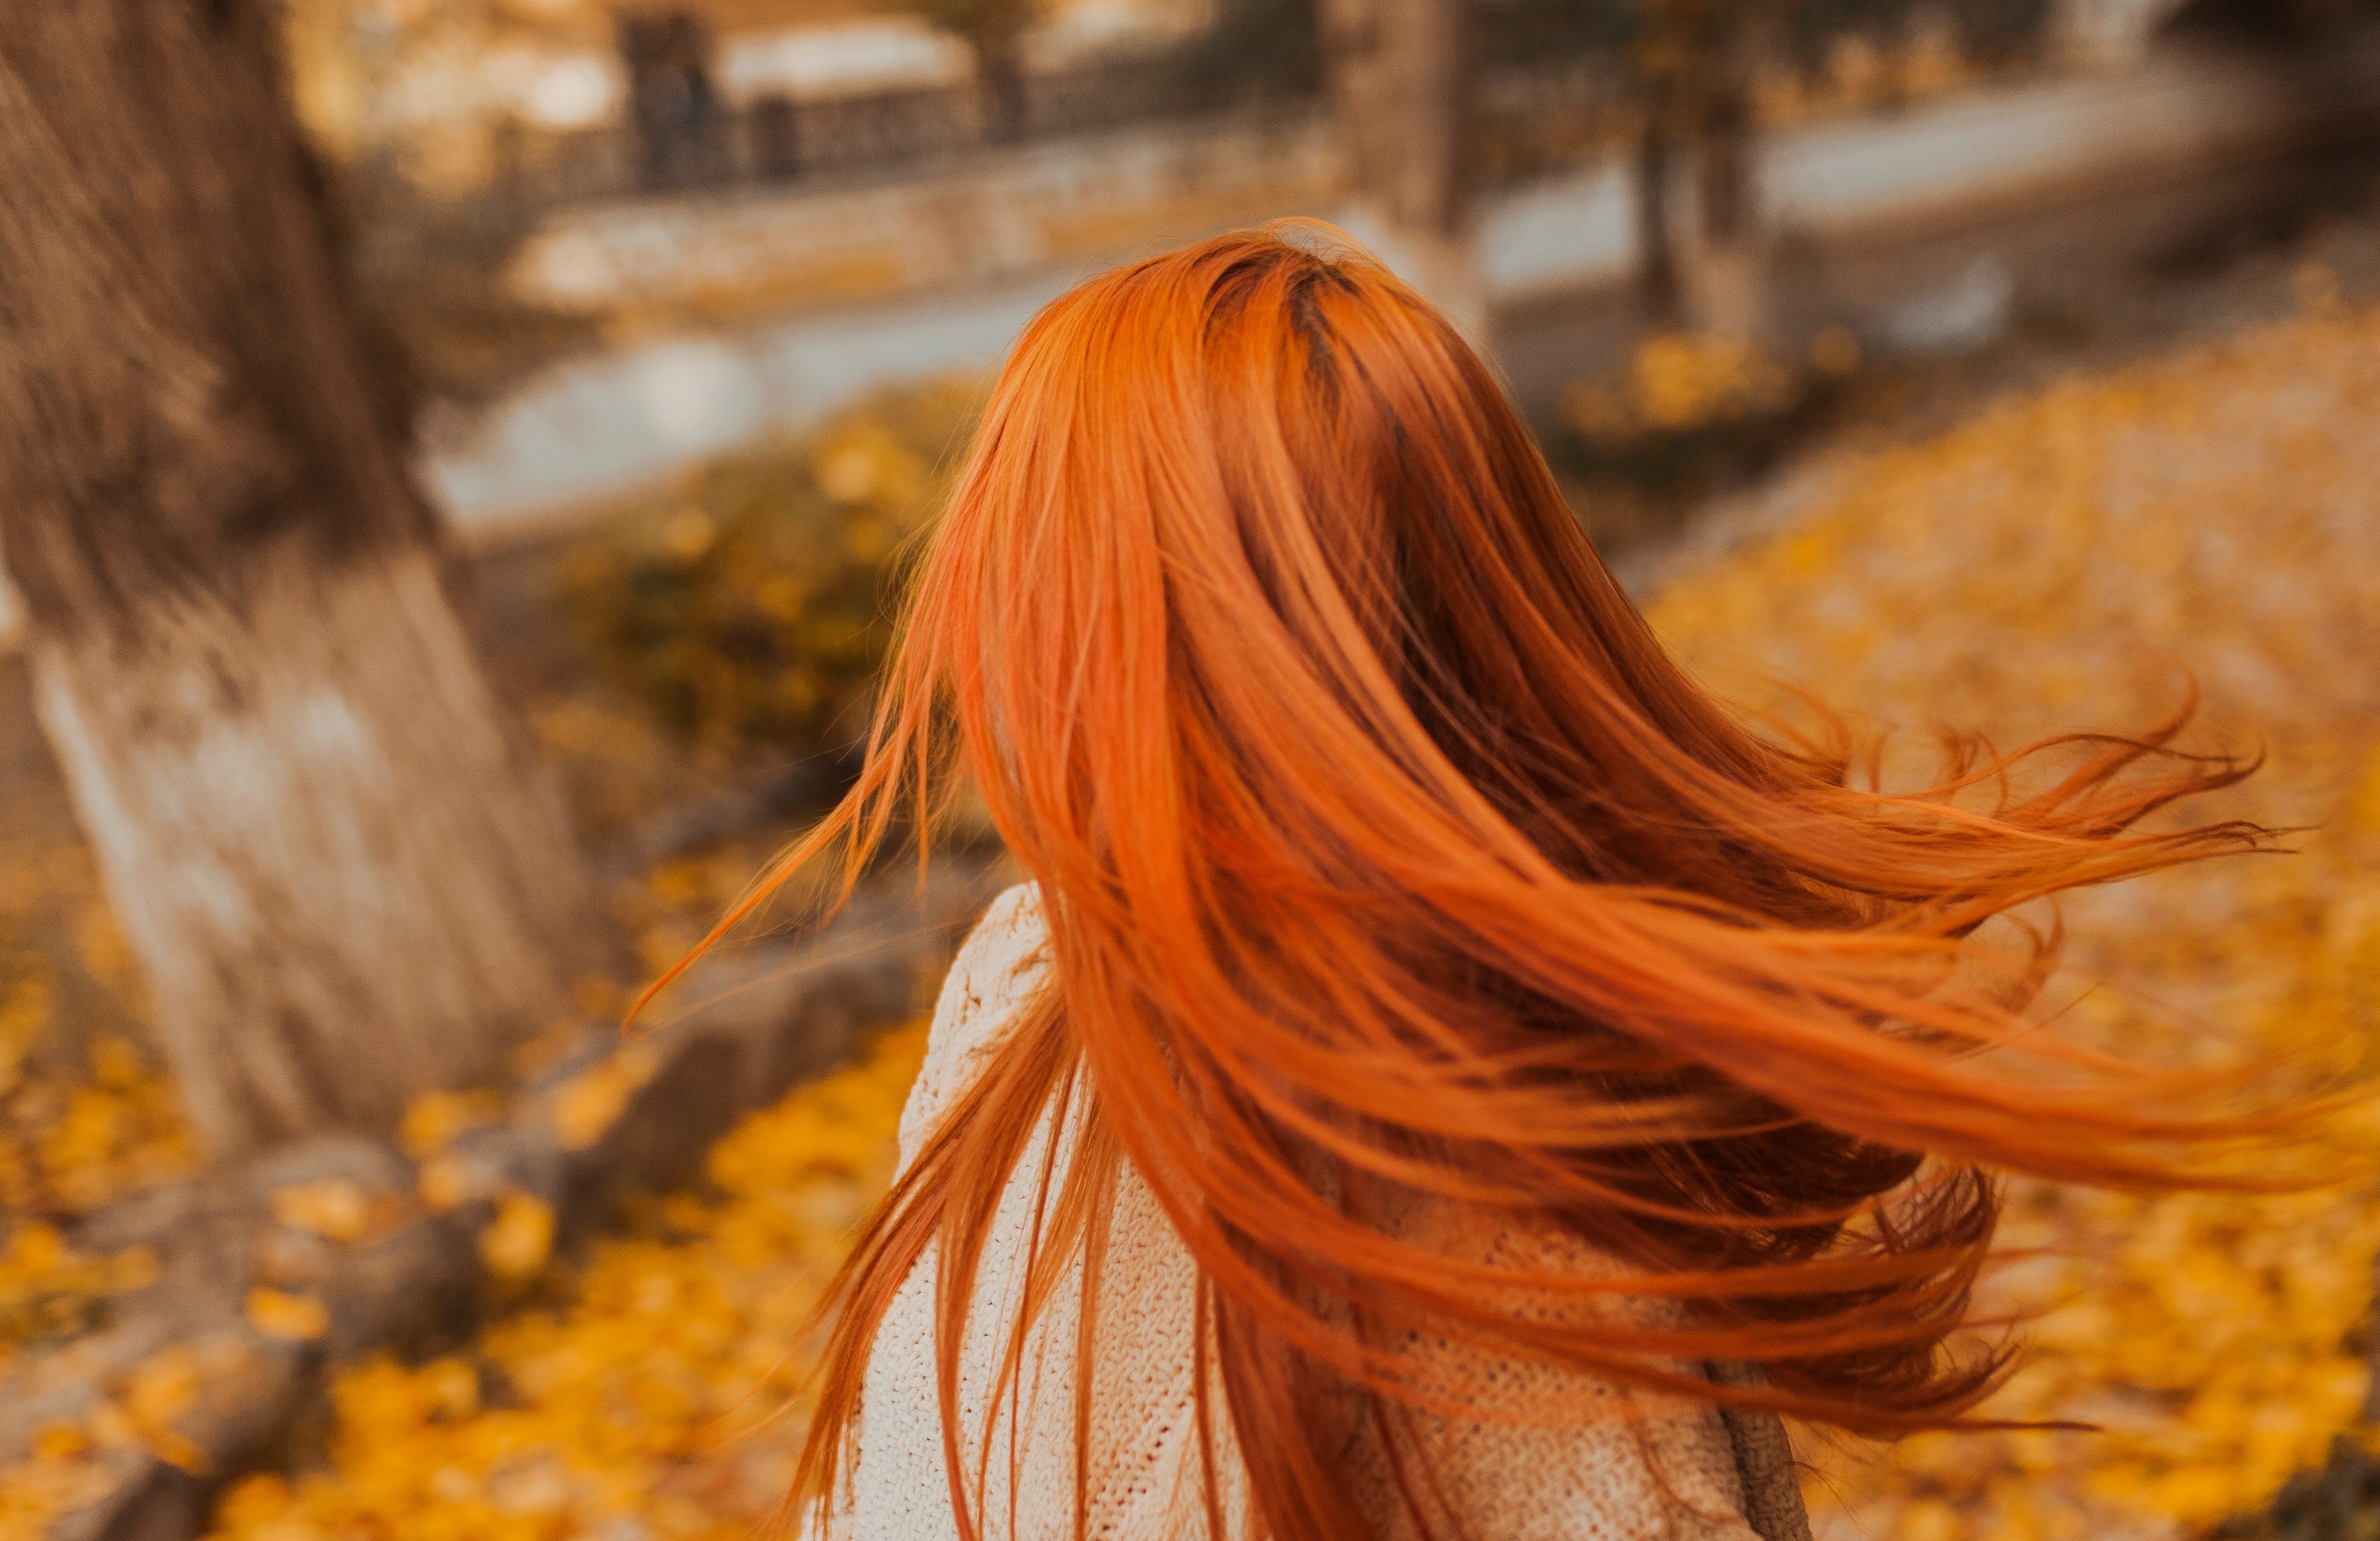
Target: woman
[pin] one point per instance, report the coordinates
(1447, 1077)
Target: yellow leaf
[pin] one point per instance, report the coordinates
(514, 1245)
(162, 1387)
(115, 1065)
(111, 1427)
(60, 1442)
(279, 1313)
(334, 1207)
(453, 1387)
(159, 1391)
(433, 1118)
(587, 1104)
(444, 1183)
(177, 1448)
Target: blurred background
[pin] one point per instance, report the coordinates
(456, 457)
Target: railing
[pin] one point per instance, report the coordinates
(1552, 88)
(778, 140)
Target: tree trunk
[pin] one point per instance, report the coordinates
(329, 848)
(1000, 76)
(1658, 290)
(1399, 73)
(1398, 78)
(1730, 289)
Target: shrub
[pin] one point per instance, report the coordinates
(750, 608)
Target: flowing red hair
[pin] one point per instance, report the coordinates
(1383, 849)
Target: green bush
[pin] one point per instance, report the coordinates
(751, 609)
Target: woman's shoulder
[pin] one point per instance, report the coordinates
(995, 968)
(1004, 959)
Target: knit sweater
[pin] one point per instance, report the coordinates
(1682, 1471)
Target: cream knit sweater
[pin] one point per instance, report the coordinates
(1682, 1473)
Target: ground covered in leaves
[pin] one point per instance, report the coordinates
(2055, 563)
(642, 1391)
(684, 667)
(2044, 566)
(2047, 564)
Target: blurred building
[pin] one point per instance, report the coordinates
(758, 208)
(450, 94)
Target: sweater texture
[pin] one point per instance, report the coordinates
(1678, 1471)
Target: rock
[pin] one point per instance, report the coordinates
(404, 1287)
(640, 1115)
(250, 1386)
(504, 1156)
(147, 1499)
(373, 1165)
(145, 1218)
(664, 1126)
(63, 1386)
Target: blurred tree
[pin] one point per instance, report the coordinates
(1695, 68)
(1399, 74)
(2280, 20)
(1399, 71)
(341, 873)
(1265, 48)
(673, 100)
(434, 207)
(995, 30)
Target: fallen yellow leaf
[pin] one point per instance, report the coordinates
(60, 1442)
(433, 1118)
(444, 1183)
(279, 1313)
(515, 1244)
(335, 1208)
(590, 1101)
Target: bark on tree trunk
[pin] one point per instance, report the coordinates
(337, 863)
(1658, 290)
(1399, 73)
(1000, 76)
(1730, 287)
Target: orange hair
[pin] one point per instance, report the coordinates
(1383, 849)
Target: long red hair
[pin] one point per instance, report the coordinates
(1383, 849)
